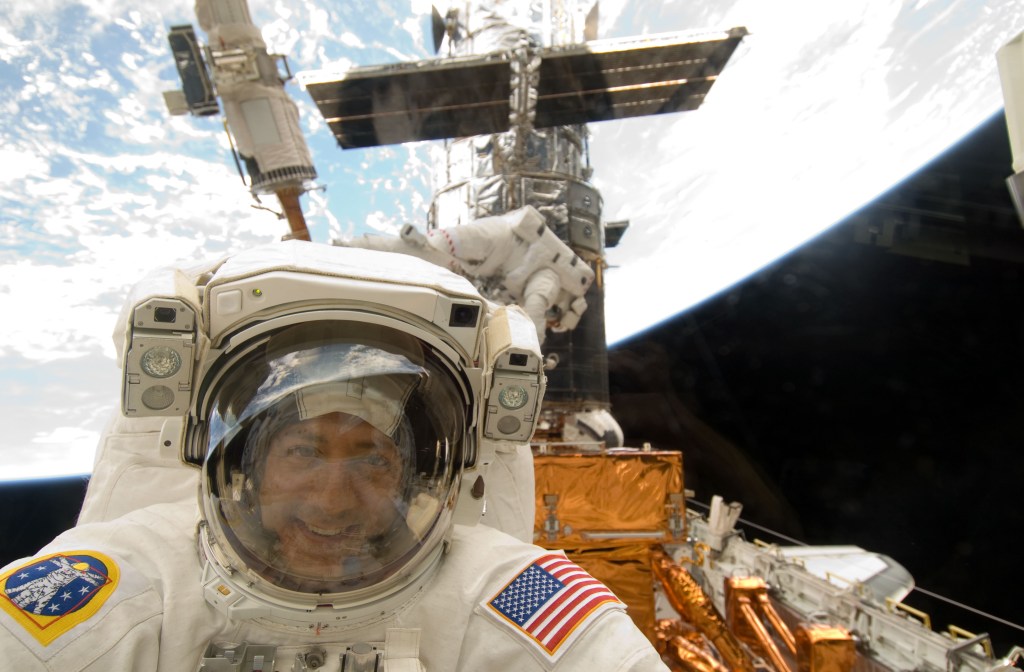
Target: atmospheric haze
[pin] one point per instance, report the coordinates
(823, 106)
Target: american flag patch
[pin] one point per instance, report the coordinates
(548, 602)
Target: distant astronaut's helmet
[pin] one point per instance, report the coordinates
(334, 451)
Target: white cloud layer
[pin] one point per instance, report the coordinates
(98, 184)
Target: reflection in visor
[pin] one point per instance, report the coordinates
(331, 492)
(332, 464)
(339, 370)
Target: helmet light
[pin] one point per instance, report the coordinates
(513, 397)
(160, 362)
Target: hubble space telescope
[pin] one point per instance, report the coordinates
(511, 98)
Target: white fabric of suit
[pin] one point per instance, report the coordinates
(157, 619)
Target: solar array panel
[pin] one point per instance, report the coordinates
(463, 96)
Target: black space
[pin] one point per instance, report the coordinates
(869, 392)
(34, 512)
(866, 389)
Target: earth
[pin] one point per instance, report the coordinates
(822, 107)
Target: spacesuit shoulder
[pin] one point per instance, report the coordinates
(96, 596)
(534, 609)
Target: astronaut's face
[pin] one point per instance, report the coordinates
(329, 490)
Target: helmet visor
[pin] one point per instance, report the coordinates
(333, 453)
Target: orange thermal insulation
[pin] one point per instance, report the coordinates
(604, 499)
(684, 649)
(764, 639)
(825, 648)
(689, 600)
(743, 609)
(692, 657)
(627, 571)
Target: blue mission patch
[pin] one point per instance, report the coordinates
(57, 586)
(52, 594)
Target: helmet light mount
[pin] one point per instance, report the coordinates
(159, 360)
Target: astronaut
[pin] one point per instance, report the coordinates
(512, 257)
(341, 409)
(515, 258)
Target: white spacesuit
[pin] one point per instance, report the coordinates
(341, 408)
(512, 257)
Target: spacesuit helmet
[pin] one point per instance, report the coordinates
(334, 450)
(343, 406)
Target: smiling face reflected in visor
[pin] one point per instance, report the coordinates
(331, 491)
(334, 451)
